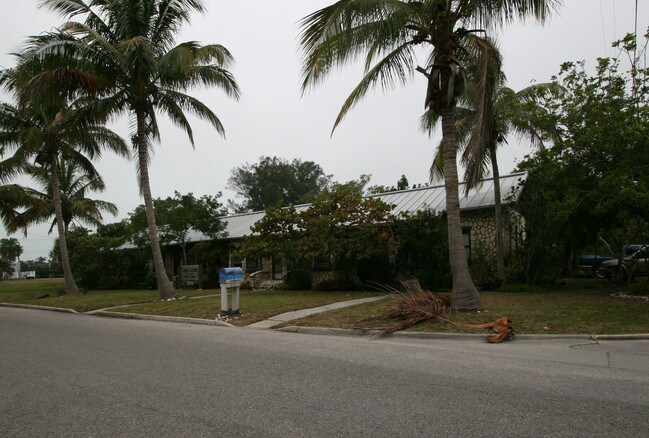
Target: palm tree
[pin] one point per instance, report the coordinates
(74, 185)
(10, 249)
(484, 122)
(388, 32)
(14, 201)
(138, 70)
(43, 129)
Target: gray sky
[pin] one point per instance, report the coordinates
(379, 137)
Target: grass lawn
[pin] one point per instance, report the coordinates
(255, 306)
(45, 292)
(578, 308)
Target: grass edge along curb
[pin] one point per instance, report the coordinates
(37, 307)
(180, 319)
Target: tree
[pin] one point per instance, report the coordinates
(10, 249)
(14, 201)
(594, 181)
(340, 224)
(388, 31)
(402, 184)
(74, 186)
(44, 128)
(136, 67)
(276, 182)
(178, 215)
(481, 132)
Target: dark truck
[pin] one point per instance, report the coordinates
(590, 263)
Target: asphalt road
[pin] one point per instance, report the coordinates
(83, 376)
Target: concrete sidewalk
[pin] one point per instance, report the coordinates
(297, 314)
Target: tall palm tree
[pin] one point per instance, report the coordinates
(388, 32)
(485, 118)
(139, 69)
(76, 206)
(43, 129)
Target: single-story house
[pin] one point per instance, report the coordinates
(477, 215)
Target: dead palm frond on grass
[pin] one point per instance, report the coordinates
(415, 304)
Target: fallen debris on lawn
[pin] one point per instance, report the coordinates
(414, 305)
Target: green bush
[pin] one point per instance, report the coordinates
(639, 288)
(336, 285)
(298, 279)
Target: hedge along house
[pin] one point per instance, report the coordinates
(478, 225)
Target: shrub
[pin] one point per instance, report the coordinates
(298, 279)
(336, 285)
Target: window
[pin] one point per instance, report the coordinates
(322, 263)
(278, 267)
(466, 235)
(252, 265)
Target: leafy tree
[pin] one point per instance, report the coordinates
(177, 216)
(5, 269)
(43, 129)
(595, 180)
(389, 31)
(341, 225)
(10, 249)
(126, 49)
(276, 182)
(100, 260)
(402, 184)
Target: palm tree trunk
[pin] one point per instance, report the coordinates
(71, 287)
(465, 296)
(498, 218)
(165, 287)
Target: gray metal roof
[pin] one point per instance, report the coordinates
(412, 200)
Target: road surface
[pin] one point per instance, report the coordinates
(84, 376)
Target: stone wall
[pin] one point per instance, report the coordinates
(482, 230)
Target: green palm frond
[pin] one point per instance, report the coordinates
(393, 68)
(175, 103)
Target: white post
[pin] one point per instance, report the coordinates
(224, 299)
(235, 299)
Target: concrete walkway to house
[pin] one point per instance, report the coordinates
(297, 314)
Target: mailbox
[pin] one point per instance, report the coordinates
(231, 276)
(230, 280)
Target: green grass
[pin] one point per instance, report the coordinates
(582, 306)
(17, 290)
(45, 292)
(557, 312)
(255, 306)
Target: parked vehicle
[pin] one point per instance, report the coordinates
(636, 265)
(590, 263)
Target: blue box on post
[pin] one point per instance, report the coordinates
(230, 279)
(230, 276)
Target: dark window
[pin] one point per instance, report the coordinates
(322, 263)
(278, 267)
(466, 235)
(236, 262)
(252, 265)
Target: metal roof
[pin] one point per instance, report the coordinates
(411, 200)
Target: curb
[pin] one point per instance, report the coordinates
(329, 330)
(179, 319)
(33, 306)
(459, 336)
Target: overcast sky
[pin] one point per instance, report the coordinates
(379, 137)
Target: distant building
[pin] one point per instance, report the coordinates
(478, 224)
